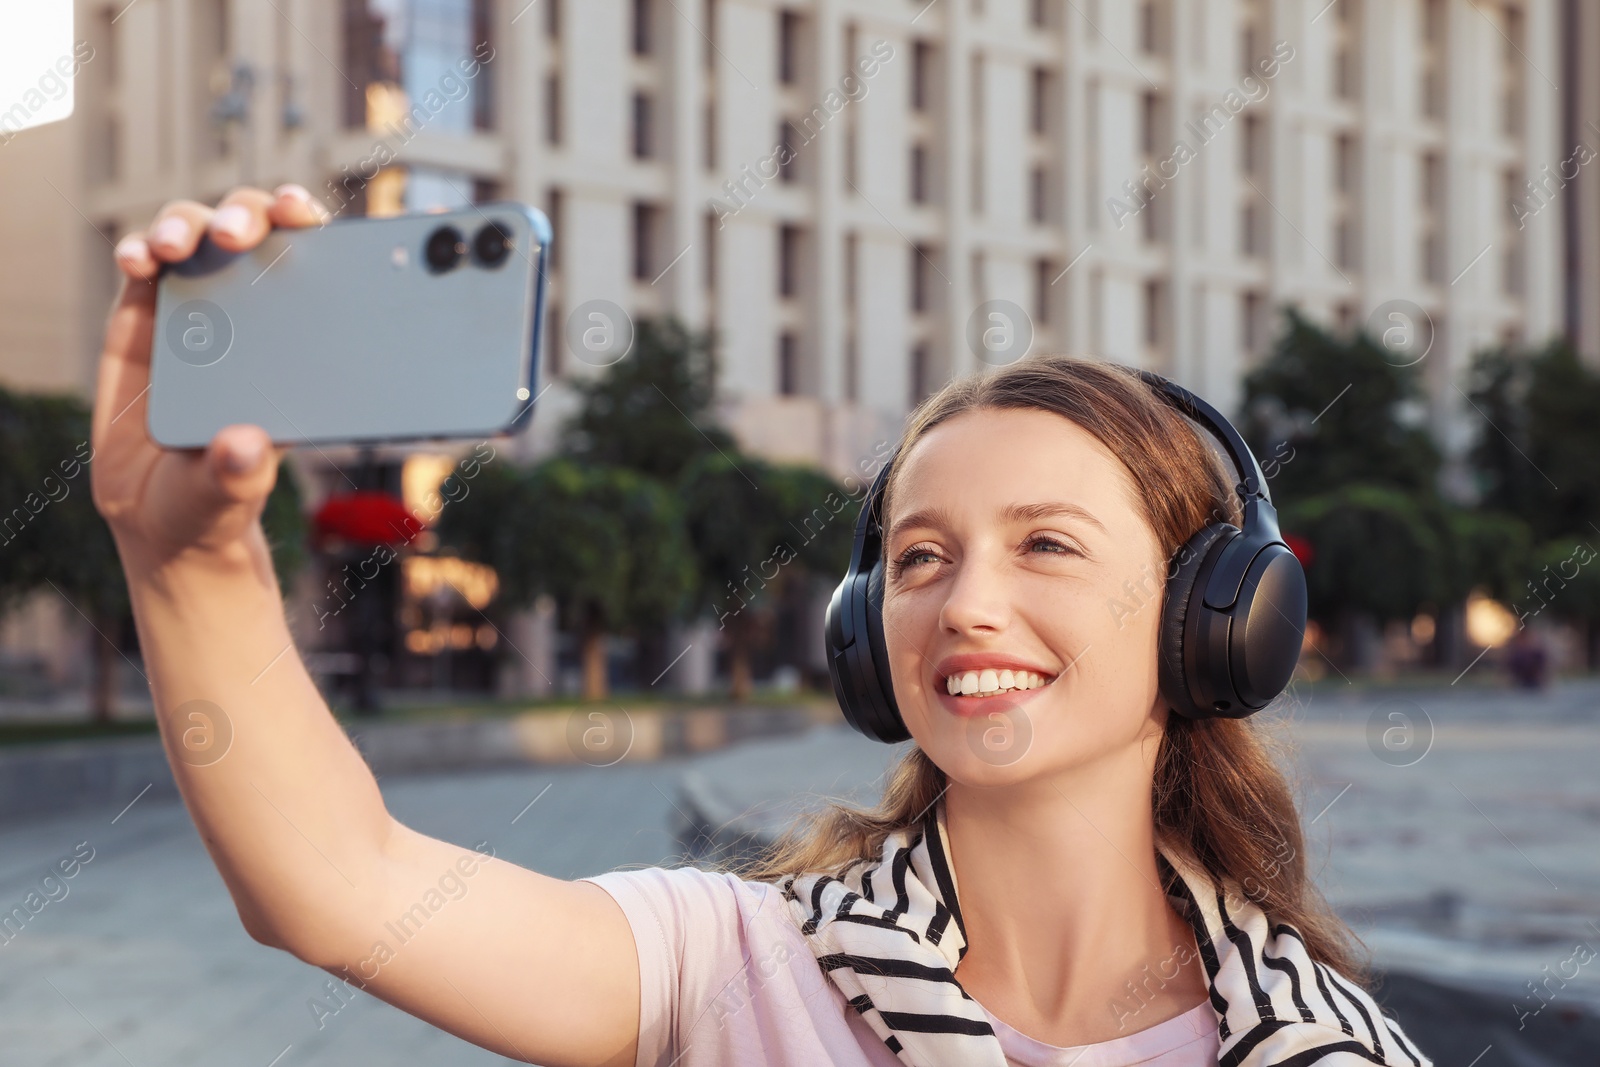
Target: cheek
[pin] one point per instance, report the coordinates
(909, 621)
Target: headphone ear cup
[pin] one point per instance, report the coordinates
(1269, 625)
(858, 658)
(1172, 673)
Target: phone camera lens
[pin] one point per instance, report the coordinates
(492, 245)
(445, 249)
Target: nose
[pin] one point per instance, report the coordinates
(978, 598)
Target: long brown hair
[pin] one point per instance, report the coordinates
(1219, 795)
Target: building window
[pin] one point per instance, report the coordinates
(712, 225)
(554, 210)
(1043, 92)
(852, 268)
(788, 47)
(554, 348)
(1252, 323)
(1253, 145)
(644, 241)
(1041, 13)
(1430, 214)
(1250, 19)
(1044, 273)
(643, 126)
(1512, 51)
(921, 373)
(1432, 59)
(643, 27)
(394, 51)
(852, 370)
(788, 364)
(789, 250)
(1347, 203)
(919, 174)
(1153, 34)
(1152, 140)
(921, 262)
(1512, 255)
(1252, 227)
(709, 132)
(1039, 194)
(788, 153)
(921, 74)
(1154, 313)
(552, 109)
(1347, 50)
(552, 19)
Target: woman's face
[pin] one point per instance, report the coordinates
(1022, 574)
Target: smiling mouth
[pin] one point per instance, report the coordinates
(990, 682)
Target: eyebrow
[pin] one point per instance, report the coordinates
(1011, 513)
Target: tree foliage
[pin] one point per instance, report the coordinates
(1536, 450)
(651, 412)
(1344, 411)
(1341, 432)
(52, 538)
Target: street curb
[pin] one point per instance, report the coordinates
(60, 777)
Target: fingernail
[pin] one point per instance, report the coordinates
(232, 221)
(242, 458)
(133, 249)
(171, 231)
(303, 195)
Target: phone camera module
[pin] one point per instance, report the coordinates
(445, 249)
(492, 246)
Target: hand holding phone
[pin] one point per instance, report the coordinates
(163, 504)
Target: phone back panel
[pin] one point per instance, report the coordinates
(343, 334)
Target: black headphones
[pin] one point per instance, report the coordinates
(1231, 625)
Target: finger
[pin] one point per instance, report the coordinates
(241, 221)
(135, 259)
(243, 464)
(293, 206)
(177, 230)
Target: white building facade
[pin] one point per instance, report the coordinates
(861, 198)
(842, 190)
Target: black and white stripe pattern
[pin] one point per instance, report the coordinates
(889, 934)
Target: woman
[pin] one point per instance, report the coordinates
(1096, 895)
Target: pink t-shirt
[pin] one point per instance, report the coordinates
(726, 977)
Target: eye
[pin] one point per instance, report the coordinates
(1043, 543)
(913, 556)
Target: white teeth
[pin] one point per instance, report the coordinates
(991, 680)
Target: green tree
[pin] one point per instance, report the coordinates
(1377, 552)
(1536, 447)
(52, 538)
(651, 412)
(607, 544)
(1334, 411)
(1563, 582)
(756, 528)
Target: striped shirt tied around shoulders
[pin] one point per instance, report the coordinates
(889, 934)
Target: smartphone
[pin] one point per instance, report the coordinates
(415, 327)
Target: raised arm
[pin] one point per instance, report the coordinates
(532, 967)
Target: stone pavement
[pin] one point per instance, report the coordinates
(1471, 858)
(144, 964)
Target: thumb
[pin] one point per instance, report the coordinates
(242, 463)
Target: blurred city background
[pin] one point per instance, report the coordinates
(1370, 231)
